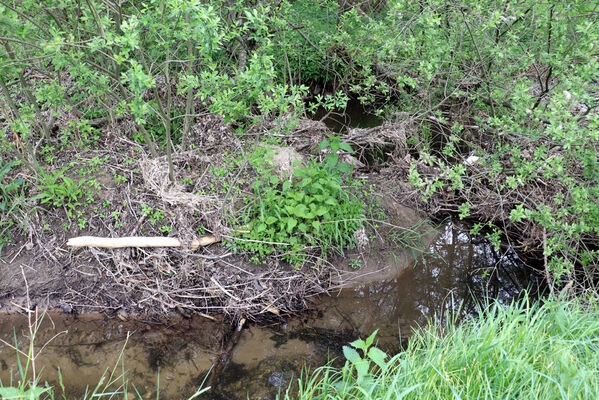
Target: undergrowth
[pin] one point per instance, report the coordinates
(9, 201)
(313, 208)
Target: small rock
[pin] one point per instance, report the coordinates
(286, 160)
(361, 239)
(471, 160)
(66, 308)
(276, 379)
(353, 161)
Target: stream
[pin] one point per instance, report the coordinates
(455, 273)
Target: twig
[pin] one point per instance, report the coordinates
(225, 355)
(545, 263)
(225, 291)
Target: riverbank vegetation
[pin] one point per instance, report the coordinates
(527, 349)
(164, 118)
(491, 114)
(547, 350)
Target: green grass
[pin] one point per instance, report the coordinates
(523, 351)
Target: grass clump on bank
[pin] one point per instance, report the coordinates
(544, 351)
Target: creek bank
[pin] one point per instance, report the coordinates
(130, 194)
(135, 197)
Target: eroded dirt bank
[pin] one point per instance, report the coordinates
(129, 193)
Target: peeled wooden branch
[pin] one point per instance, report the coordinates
(138, 241)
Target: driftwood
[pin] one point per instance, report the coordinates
(138, 241)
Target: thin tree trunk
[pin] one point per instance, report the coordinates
(189, 106)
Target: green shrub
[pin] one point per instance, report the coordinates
(311, 209)
(59, 190)
(9, 195)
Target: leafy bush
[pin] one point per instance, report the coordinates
(311, 209)
(59, 190)
(9, 193)
(8, 190)
(526, 114)
(160, 64)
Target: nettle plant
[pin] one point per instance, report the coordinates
(311, 210)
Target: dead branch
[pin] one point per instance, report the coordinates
(138, 241)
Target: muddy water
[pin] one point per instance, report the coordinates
(456, 272)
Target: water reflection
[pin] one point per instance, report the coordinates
(456, 275)
(355, 115)
(462, 270)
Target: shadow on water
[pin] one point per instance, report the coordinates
(454, 277)
(355, 115)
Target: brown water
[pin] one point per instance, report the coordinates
(459, 270)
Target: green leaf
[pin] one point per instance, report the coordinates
(322, 210)
(7, 168)
(344, 167)
(378, 356)
(335, 146)
(359, 344)
(304, 182)
(362, 367)
(274, 180)
(261, 227)
(316, 186)
(331, 160)
(300, 172)
(316, 225)
(370, 339)
(34, 393)
(334, 184)
(11, 393)
(271, 220)
(289, 209)
(291, 223)
(346, 147)
(351, 354)
(300, 210)
(324, 144)
(286, 186)
(257, 184)
(299, 196)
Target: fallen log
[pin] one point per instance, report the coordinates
(138, 241)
